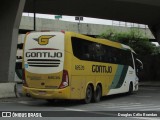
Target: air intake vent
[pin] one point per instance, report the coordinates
(43, 62)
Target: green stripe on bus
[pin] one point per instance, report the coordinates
(122, 77)
(19, 73)
(117, 77)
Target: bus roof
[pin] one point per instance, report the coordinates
(99, 40)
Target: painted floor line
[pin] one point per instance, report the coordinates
(23, 102)
(70, 109)
(142, 96)
(110, 105)
(121, 106)
(129, 106)
(92, 112)
(139, 107)
(154, 109)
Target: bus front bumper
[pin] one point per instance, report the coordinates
(47, 93)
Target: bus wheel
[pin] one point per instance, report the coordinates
(97, 93)
(130, 88)
(89, 94)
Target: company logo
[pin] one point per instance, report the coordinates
(44, 39)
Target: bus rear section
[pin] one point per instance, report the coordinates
(43, 66)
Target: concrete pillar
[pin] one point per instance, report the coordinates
(10, 12)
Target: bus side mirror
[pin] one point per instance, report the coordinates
(140, 68)
(139, 65)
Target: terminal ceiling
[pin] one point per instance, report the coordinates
(136, 11)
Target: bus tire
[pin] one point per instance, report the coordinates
(89, 94)
(130, 88)
(98, 93)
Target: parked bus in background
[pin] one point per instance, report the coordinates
(18, 65)
(67, 65)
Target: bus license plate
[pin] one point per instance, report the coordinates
(42, 92)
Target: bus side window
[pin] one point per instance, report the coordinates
(86, 56)
(85, 52)
(91, 51)
(114, 56)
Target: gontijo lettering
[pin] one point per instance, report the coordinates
(101, 69)
(44, 54)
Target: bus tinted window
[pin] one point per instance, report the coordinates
(92, 51)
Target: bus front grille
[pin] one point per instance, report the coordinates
(43, 62)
